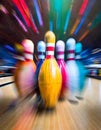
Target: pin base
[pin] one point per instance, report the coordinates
(62, 99)
(50, 109)
(42, 108)
(79, 97)
(73, 101)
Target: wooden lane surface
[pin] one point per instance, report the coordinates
(8, 94)
(26, 118)
(86, 115)
(20, 117)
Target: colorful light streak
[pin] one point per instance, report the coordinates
(51, 16)
(68, 15)
(57, 5)
(83, 7)
(57, 10)
(3, 9)
(16, 2)
(91, 25)
(20, 22)
(51, 25)
(25, 13)
(81, 12)
(29, 15)
(87, 11)
(48, 5)
(39, 17)
(75, 25)
(10, 48)
(58, 20)
(84, 34)
(19, 14)
(33, 23)
(39, 4)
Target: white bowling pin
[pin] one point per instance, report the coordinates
(73, 73)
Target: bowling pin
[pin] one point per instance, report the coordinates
(50, 76)
(25, 70)
(41, 48)
(82, 71)
(60, 48)
(73, 72)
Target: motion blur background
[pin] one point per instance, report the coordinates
(32, 18)
(20, 19)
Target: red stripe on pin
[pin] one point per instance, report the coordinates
(49, 48)
(28, 52)
(70, 59)
(27, 59)
(60, 53)
(49, 56)
(70, 51)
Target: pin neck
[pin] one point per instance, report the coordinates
(78, 57)
(50, 50)
(41, 55)
(28, 56)
(70, 55)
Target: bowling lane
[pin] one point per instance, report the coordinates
(8, 92)
(86, 115)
